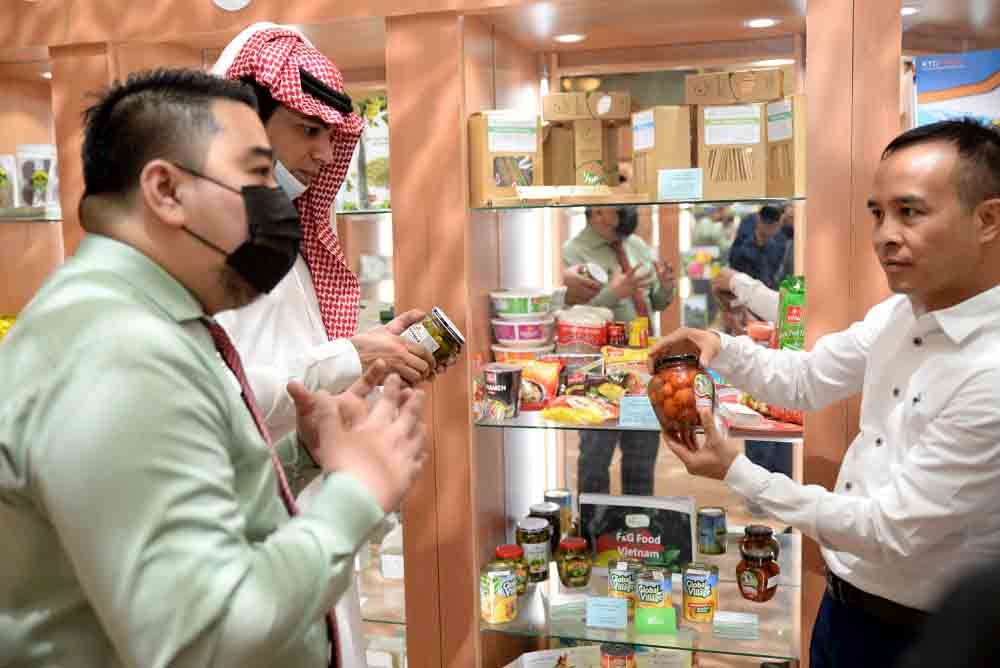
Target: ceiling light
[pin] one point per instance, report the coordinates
(908, 11)
(762, 23)
(46, 75)
(774, 62)
(570, 38)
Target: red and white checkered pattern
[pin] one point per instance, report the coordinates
(273, 57)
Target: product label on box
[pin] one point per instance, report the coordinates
(392, 566)
(737, 124)
(643, 131)
(779, 120)
(607, 613)
(637, 412)
(680, 184)
(418, 334)
(508, 134)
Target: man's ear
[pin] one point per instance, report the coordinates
(159, 188)
(988, 216)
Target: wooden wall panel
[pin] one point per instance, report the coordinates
(25, 114)
(29, 252)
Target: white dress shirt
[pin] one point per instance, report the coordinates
(281, 337)
(756, 296)
(917, 501)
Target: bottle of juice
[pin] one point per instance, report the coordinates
(791, 313)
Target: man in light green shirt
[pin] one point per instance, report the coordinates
(139, 505)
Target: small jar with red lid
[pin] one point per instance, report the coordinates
(513, 555)
(758, 573)
(574, 562)
(678, 389)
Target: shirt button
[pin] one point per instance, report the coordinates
(848, 486)
(895, 391)
(878, 442)
(918, 341)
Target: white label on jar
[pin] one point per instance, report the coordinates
(392, 566)
(418, 334)
(537, 556)
(773, 581)
(511, 134)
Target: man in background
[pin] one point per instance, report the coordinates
(759, 248)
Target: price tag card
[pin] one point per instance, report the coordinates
(656, 620)
(637, 412)
(607, 613)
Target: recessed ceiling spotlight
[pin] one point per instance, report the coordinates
(570, 38)
(909, 11)
(46, 75)
(762, 23)
(774, 62)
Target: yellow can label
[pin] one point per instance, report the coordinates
(701, 596)
(498, 597)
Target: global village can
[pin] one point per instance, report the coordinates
(712, 530)
(623, 575)
(652, 590)
(701, 592)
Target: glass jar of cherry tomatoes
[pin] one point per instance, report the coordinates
(680, 387)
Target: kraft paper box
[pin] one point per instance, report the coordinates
(559, 157)
(734, 87)
(562, 107)
(661, 139)
(786, 147)
(595, 151)
(505, 151)
(732, 151)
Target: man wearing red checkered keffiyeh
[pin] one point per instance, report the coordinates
(306, 328)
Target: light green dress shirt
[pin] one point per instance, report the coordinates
(589, 246)
(139, 510)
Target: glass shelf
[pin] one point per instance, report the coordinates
(576, 204)
(551, 611)
(383, 601)
(30, 214)
(534, 420)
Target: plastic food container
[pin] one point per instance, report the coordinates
(506, 355)
(524, 333)
(521, 305)
(582, 329)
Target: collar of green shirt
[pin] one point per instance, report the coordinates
(138, 270)
(589, 239)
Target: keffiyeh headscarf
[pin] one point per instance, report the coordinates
(283, 61)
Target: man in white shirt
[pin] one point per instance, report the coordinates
(305, 329)
(917, 500)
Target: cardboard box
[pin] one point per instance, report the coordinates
(560, 160)
(563, 107)
(595, 151)
(732, 151)
(734, 87)
(786, 147)
(661, 139)
(505, 150)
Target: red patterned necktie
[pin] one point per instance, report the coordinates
(231, 357)
(638, 298)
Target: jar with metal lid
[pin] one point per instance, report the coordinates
(513, 555)
(564, 499)
(758, 573)
(574, 561)
(534, 536)
(438, 335)
(498, 593)
(551, 513)
(680, 387)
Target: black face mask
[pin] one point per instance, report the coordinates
(628, 222)
(275, 234)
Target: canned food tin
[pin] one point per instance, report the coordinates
(652, 590)
(618, 334)
(712, 530)
(623, 575)
(564, 499)
(617, 656)
(701, 592)
(498, 593)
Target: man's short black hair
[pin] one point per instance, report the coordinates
(165, 113)
(977, 174)
(266, 104)
(770, 214)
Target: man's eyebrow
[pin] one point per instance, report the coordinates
(260, 152)
(310, 119)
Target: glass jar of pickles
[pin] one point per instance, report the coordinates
(513, 556)
(551, 513)
(758, 572)
(574, 562)
(533, 535)
(680, 387)
(438, 335)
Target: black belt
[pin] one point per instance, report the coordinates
(886, 611)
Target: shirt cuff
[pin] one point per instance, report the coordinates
(739, 284)
(747, 478)
(339, 365)
(344, 503)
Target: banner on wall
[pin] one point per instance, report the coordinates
(957, 85)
